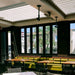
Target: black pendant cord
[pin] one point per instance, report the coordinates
(38, 12)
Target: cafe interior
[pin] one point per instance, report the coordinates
(37, 37)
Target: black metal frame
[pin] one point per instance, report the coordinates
(51, 32)
(37, 39)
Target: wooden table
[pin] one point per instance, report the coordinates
(16, 62)
(68, 66)
(42, 65)
(22, 60)
(45, 61)
(69, 62)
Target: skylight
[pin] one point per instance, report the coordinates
(67, 6)
(20, 13)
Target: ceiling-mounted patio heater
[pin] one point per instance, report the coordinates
(56, 21)
(38, 12)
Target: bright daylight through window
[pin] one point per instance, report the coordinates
(47, 40)
(54, 39)
(72, 38)
(34, 34)
(34, 39)
(28, 40)
(40, 40)
(22, 40)
(9, 44)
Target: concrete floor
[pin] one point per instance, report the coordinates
(38, 73)
(48, 73)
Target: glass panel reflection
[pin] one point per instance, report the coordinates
(54, 39)
(47, 40)
(34, 39)
(72, 38)
(22, 40)
(9, 44)
(41, 40)
(28, 40)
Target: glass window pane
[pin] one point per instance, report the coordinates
(9, 44)
(72, 38)
(28, 40)
(22, 40)
(47, 40)
(41, 40)
(54, 39)
(34, 39)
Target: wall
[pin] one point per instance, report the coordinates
(63, 38)
(15, 41)
(0, 45)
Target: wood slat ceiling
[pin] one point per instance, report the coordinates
(67, 6)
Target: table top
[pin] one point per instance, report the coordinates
(23, 60)
(69, 62)
(45, 61)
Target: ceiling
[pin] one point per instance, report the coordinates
(64, 9)
(5, 3)
(67, 6)
(20, 13)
